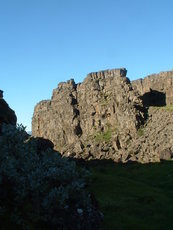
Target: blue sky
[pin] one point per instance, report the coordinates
(44, 42)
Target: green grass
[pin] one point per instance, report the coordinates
(168, 108)
(103, 136)
(133, 196)
(141, 132)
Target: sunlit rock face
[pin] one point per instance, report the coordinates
(108, 117)
(156, 89)
(103, 104)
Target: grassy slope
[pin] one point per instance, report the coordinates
(134, 196)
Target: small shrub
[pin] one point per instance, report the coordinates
(41, 191)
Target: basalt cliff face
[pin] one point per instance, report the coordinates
(7, 115)
(156, 89)
(105, 117)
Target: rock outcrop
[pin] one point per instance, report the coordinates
(156, 89)
(154, 141)
(79, 118)
(7, 115)
(106, 117)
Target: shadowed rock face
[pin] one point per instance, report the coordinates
(7, 115)
(161, 84)
(153, 98)
(103, 104)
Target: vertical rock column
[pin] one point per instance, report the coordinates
(58, 119)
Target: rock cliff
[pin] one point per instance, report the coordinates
(106, 116)
(156, 89)
(7, 115)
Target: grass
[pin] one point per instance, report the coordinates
(141, 132)
(133, 196)
(103, 136)
(168, 108)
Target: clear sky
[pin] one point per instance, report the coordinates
(44, 42)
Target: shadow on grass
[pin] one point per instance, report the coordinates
(133, 195)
